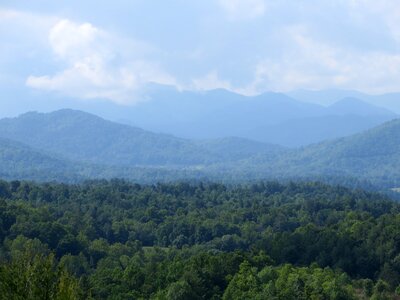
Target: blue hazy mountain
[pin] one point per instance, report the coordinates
(354, 106)
(215, 114)
(345, 117)
(390, 101)
(306, 131)
(268, 118)
(325, 97)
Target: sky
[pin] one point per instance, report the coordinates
(112, 50)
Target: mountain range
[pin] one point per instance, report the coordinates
(293, 119)
(270, 117)
(80, 136)
(327, 97)
(70, 145)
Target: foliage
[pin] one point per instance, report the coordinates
(119, 240)
(37, 276)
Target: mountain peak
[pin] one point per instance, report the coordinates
(65, 112)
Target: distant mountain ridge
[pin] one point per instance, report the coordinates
(70, 145)
(307, 131)
(390, 101)
(220, 113)
(354, 106)
(81, 136)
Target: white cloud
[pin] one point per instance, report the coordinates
(210, 82)
(73, 41)
(313, 64)
(22, 28)
(85, 61)
(387, 10)
(25, 18)
(243, 9)
(99, 65)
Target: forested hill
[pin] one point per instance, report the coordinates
(20, 161)
(373, 154)
(80, 136)
(71, 146)
(117, 240)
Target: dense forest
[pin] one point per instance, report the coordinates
(119, 240)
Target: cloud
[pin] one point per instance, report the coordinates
(387, 10)
(243, 9)
(98, 64)
(72, 41)
(313, 64)
(300, 44)
(19, 29)
(210, 82)
(25, 18)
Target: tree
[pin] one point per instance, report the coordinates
(37, 277)
(244, 285)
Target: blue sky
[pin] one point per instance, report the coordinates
(112, 49)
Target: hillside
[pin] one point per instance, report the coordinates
(373, 155)
(234, 148)
(306, 131)
(18, 161)
(71, 145)
(87, 138)
(376, 150)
